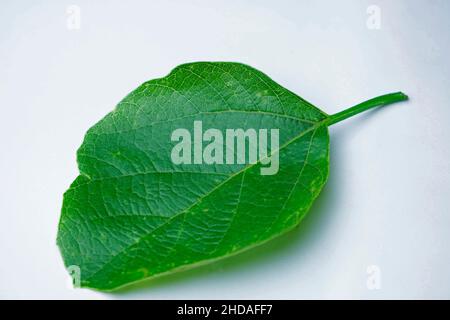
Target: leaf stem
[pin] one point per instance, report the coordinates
(369, 104)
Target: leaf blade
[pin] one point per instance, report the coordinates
(112, 263)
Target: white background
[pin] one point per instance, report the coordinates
(387, 200)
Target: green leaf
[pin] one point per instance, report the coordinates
(133, 213)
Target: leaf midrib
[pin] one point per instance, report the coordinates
(255, 112)
(200, 113)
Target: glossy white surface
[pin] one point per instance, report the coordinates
(387, 202)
